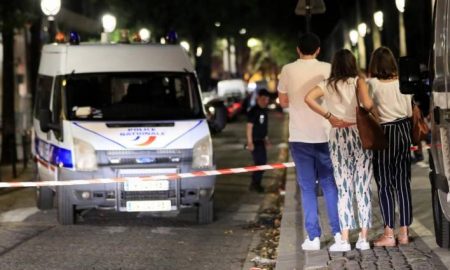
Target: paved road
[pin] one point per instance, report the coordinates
(31, 239)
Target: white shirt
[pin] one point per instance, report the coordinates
(391, 103)
(341, 104)
(296, 79)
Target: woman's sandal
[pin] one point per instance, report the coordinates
(387, 239)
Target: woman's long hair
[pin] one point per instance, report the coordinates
(382, 64)
(343, 67)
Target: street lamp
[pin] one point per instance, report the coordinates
(50, 8)
(185, 45)
(144, 34)
(353, 34)
(362, 29)
(253, 42)
(309, 7)
(109, 25)
(402, 35)
(378, 19)
(400, 4)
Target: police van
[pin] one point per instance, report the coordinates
(437, 85)
(121, 111)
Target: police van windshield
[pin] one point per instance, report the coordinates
(132, 96)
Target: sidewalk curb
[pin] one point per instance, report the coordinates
(290, 256)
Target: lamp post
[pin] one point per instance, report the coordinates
(50, 8)
(309, 7)
(402, 35)
(378, 19)
(109, 23)
(354, 36)
(362, 31)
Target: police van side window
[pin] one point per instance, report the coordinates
(43, 94)
(56, 102)
(57, 112)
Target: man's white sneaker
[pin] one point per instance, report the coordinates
(339, 244)
(311, 245)
(362, 244)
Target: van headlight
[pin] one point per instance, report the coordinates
(202, 154)
(85, 158)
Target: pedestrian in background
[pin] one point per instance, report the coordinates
(308, 137)
(352, 164)
(257, 123)
(392, 166)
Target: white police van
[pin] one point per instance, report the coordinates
(437, 86)
(121, 110)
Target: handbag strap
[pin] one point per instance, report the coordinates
(356, 91)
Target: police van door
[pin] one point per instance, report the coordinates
(441, 98)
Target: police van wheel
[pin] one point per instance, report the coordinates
(441, 225)
(44, 198)
(66, 210)
(205, 211)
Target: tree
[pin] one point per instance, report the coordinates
(13, 15)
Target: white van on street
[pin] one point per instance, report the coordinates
(121, 110)
(437, 86)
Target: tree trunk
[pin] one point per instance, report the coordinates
(8, 117)
(34, 55)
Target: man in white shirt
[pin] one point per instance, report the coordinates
(308, 137)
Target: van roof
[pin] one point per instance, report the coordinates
(98, 58)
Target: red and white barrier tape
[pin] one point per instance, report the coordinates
(172, 176)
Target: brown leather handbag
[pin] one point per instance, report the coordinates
(370, 131)
(420, 128)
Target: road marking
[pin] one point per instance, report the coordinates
(18, 215)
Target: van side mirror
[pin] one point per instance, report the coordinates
(410, 76)
(45, 119)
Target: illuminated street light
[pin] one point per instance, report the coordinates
(50, 8)
(144, 33)
(253, 42)
(199, 51)
(353, 36)
(362, 29)
(402, 34)
(217, 24)
(185, 45)
(243, 31)
(378, 19)
(400, 5)
(109, 23)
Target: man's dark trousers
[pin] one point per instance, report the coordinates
(259, 158)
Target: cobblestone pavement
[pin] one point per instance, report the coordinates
(413, 256)
(419, 254)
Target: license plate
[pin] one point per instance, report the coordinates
(148, 206)
(149, 185)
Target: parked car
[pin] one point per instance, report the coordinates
(233, 93)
